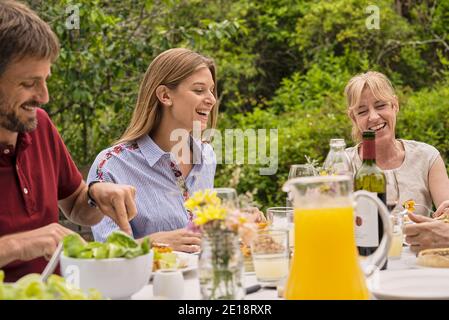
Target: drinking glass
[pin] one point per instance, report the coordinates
(397, 235)
(299, 170)
(277, 217)
(282, 218)
(228, 197)
(270, 254)
(392, 190)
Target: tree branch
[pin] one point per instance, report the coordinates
(396, 44)
(441, 40)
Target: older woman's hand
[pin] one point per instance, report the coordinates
(444, 206)
(255, 214)
(426, 233)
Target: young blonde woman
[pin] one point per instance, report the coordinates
(417, 167)
(158, 154)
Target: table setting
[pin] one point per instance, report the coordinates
(404, 279)
(290, 255)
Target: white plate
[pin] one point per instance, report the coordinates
(190, 258)
(412, 284)
(411, 262)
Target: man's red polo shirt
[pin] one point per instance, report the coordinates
(33, 177)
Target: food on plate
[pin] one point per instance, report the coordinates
(246, 250)
(437, 258)
(165, 258)
(31, 287)
(409, 205)
(117, 245)
(262, 225)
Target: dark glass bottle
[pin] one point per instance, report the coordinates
(369, 226)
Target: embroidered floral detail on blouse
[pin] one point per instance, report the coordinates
(116, 150)
(181, 183)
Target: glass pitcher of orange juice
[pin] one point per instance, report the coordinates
(325, 260)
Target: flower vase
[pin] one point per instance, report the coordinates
(221, 267)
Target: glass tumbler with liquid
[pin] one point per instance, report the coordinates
(397, 234)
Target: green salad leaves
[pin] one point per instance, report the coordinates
(31, 287)
(117, 245)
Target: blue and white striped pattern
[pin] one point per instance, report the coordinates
(160, 204)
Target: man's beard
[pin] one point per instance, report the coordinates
(10, 120)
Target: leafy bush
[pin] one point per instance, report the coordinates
(281, 64)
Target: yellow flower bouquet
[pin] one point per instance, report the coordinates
(221, 261)
(211, 216)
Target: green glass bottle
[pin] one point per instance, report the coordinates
(368, 224)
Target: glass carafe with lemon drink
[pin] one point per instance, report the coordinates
(325, 261)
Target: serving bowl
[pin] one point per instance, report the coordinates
(115, 278)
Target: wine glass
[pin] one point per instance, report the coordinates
(299, 170)
(392, 190)
(228, 197)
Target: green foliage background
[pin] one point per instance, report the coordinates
(282, 64)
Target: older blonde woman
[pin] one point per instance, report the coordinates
(417, 167)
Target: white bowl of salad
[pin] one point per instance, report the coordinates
(117, 268)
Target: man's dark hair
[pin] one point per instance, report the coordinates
(24, 35)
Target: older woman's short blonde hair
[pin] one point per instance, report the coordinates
(379, 85)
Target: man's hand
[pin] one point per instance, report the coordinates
(41, 242)
(179, 240)
(426, 233)
(117, 202)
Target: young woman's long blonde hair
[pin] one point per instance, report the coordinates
(169, 68)
(379, 85)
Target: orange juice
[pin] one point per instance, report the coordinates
(325, 261)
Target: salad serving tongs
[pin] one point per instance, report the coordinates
(52, 264)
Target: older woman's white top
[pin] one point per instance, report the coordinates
(412, 175)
